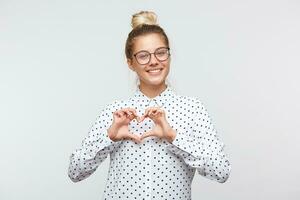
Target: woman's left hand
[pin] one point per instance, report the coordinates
(162, 128)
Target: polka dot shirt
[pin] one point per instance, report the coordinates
(155, 168)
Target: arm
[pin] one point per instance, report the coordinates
(200, 147)
(94, 148)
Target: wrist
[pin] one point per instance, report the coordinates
(171, 135)
(111, 132)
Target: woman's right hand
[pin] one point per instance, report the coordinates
(119, 129)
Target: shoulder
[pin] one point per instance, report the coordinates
(192, 103)
(189, 100)
(195, 107)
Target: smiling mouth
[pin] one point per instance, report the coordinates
(154, 71)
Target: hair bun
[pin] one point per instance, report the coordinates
(143, 17)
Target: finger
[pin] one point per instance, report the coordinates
(132, 116)
(128, 113)
(135, 114)
(122, 113)
(131, 113)
(123, 110)
(143, 117)
(147, 134)
(117, 113)
(150, 113)
(153, 112)
(160, 112)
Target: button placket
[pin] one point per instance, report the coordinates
(152, 103)
(149, 146)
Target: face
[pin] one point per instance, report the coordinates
(155, 72)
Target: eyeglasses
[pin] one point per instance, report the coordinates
(143, 57)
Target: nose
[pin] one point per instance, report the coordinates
(153, 60)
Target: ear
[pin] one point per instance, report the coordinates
(129, 62)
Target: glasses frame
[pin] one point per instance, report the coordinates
(168, 48)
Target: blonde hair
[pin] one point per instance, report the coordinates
(143, 17)
(143, 23)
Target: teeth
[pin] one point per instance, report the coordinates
(156, 70)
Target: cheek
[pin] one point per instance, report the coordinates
(140, 70)
(167, 65)
(167, 70)
(137, 68)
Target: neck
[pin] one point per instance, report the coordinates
(152, 91)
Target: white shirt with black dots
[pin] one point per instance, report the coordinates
(155, 168)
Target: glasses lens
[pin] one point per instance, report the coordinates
(143, 57)
(162, 54)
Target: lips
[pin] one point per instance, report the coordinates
(154, 71)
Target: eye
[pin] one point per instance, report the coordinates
(142, 55)
(161, 52)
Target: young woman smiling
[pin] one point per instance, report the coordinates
(156, 139)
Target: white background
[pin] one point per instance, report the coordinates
(62, 61)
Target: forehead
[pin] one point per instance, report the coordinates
(148, 42)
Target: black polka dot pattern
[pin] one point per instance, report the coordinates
(155, 168)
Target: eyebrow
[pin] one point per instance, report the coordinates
(149, 51)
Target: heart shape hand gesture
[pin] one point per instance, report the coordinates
(119, 129)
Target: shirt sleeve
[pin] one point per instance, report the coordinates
(200, 147)
(94, 149)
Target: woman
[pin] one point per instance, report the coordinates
(156, 139)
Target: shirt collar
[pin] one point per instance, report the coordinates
(159, 99)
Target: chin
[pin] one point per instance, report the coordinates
(155, 82)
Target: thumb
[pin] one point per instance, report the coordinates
(134, 137)
(147, 134)
(142, 117)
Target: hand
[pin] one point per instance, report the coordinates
(119, 129)
(162, 128)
